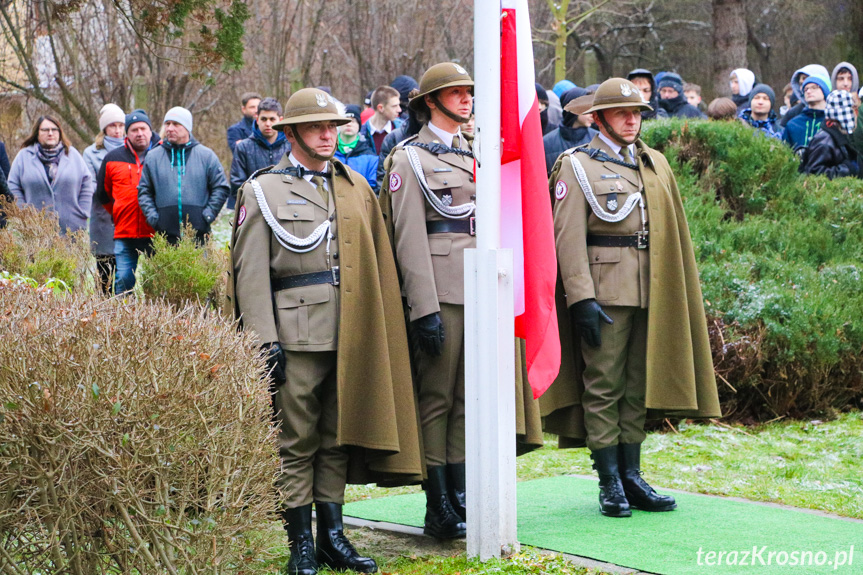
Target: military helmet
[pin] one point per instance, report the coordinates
(311, 105)
(439, 76)
(617, 93)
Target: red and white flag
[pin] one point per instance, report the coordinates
(526, 222)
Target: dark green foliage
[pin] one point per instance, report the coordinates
(780, 260)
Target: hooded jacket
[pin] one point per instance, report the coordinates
(745, 82)
(855, 80)
(802, 128)
(830, 153)
(567, 135)
(363, 160)
(254, 153)
(657, 111)
(182, 182)
(808, 70)
(679, 107)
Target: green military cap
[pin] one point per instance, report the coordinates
(311, 105)
(439, 76)
(617, 93)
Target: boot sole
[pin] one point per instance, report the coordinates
(671, 507)
(621, 514)
(439, 535)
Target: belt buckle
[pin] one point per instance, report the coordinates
(335, 271)
(473, 225)
(641, 240)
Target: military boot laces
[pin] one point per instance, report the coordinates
(612, 499)
(334, 549)
(441, 520)
(302, 561)
(639, 493)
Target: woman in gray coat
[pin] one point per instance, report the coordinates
(49, 173)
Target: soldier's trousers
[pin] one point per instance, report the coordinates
(614, 380)
(440, 392)
(313, 466)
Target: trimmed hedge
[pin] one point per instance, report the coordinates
(780, 258)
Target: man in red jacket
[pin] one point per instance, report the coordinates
(117, 190)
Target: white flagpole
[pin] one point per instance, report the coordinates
(489, 321)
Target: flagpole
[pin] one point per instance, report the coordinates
(489, 321)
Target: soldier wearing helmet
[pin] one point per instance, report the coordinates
(636, 341)
(313, 277)
(429, 196)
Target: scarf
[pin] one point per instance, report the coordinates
(50, 158)
(347, 147)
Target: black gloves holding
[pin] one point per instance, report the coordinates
(428, 334)
(275, 362)
(586, 316)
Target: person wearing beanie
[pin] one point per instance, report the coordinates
(562, 87)
(354, 149)
(797, 79)
(111, 130)
(643, 79)
(574, 129)
(542, 97)
(265, 147)
(182, 181)
(741, 82)
(673, 100)
(117, 195)
(243, 129)
(803, 127)
(404, 85)
(830, 152)
(759, 113)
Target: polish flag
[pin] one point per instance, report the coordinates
(526, 223)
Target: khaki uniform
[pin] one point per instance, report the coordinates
(619, 279)
(325, 411)
(432, 270)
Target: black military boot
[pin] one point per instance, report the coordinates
(334, 549)
(612, 501)
(441, 519)
(298, 524)
(638, 492)
(456, 488)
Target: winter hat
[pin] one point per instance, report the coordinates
(353, 111)
(823, 83)
(180, 115)
(541, 94)
(745, 80)
(573, 93)
(672, 80)
(763, 89)
(136, 116)
(808, 70)
(855, 80)
(840, 108)
(562, 87)
(404, 85)
(109, 114)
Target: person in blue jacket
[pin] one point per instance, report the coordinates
(803, 127)
(355, 150)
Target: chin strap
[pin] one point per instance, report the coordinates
(305, 147)
(451, 115)
(614, 135)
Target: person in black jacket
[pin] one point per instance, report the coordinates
(673, 100)
(265, 147)
(573, 131)
(830, 152)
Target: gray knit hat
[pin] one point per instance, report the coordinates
(180, 115)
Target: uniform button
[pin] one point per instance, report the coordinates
(336, 256)
(470, 178)
(296, 215)
(597, 258)
(332, 218)
(302, 300)
(445, 182)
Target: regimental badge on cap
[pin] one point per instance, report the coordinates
(560, 190)
(241, 216)
(459, 69)
(321, 100)
(625, 90)
(395, 182)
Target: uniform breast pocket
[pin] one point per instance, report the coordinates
(298, 219)
(604, 272)
(442, 182)
(306, 315)
(440, 249)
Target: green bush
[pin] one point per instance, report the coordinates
(31, 246)
(780, 258)
(134, 438)
(185, 272)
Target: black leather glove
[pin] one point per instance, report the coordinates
(275, 362)
(428, 334)
(586, 316)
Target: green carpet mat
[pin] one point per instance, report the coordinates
(561, 514)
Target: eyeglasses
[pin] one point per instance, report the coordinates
(49, 130)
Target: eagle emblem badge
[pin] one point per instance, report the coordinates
(322, 100)
(625, 90)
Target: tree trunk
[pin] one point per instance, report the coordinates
(559, 9)
(729, 42)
